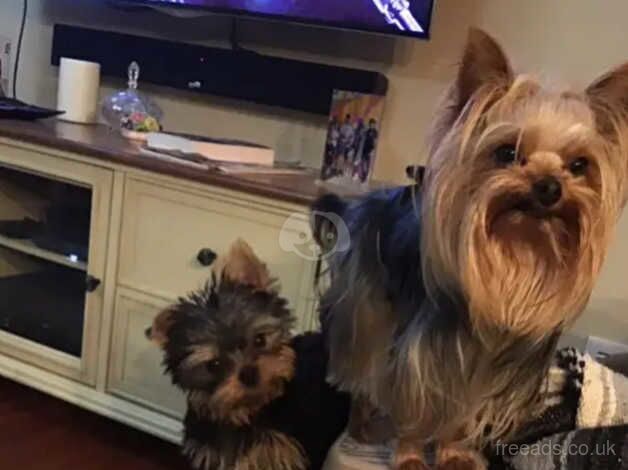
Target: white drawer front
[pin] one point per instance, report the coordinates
(164, 229)
(136, 370)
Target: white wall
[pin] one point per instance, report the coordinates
(574, 41)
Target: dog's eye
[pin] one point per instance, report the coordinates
(260, 340)
(213, 365)
(578, 167)
(505, 154)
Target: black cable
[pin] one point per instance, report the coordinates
(18, 49)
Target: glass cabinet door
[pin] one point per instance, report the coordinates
(47, 314)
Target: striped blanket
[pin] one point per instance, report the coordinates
(583, 425)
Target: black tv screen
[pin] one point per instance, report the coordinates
(403, 17)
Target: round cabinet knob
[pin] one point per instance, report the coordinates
(206, 257)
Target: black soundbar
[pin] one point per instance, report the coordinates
(240, 74)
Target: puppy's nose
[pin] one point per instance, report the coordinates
(249, 376)
(547, 191)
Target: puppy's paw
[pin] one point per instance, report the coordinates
(409, 455)
(452, 458)
(411, 464)
(409, 460)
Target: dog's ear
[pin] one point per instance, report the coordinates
(158, 332)
(483, 64)
(242, 266)
(608, 97)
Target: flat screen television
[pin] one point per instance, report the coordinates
(402, 17)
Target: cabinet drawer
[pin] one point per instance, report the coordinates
(136, 370)
(164, 228)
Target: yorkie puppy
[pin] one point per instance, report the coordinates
(257, 398)
(523, 188)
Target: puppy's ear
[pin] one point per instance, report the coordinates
(158, 332)
(242, 266)
(608, 97)
(483, 64)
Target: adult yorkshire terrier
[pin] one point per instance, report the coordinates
(257, 397)
(523, 188)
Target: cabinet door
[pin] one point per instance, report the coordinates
(54, 217)
(164, 229)
(136, 370)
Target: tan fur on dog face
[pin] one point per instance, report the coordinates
(517, 270)
(232, 402)
(277, 368)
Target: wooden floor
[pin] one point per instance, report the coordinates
(38, 432)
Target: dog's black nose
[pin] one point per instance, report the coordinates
(249, 376)
(547, 191)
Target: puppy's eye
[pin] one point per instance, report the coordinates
(213, 365)
(505, 154)
(578, 167)
(260, 340)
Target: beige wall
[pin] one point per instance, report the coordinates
(571, 40)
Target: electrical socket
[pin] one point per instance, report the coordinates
(601, 348)
(6, 49)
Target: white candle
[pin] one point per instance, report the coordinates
(79, 88)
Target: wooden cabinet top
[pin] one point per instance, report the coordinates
(99, 142)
